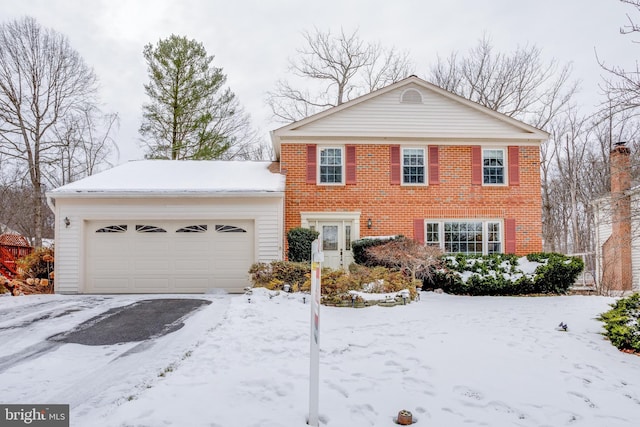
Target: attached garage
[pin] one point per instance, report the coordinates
(167, 227)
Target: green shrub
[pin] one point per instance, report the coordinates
(299, 240)
(557, 272)
(622, 323)
(500, 274)
(359, 249)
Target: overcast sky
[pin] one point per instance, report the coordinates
(252, 39)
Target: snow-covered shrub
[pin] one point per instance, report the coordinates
(338, 286)
(622, 323)
(557, 271)
(504, 274)
(335, 284)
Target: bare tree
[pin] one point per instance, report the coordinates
(84, 145)
(570, 137)
(42, 81)
(340, 67)
(519, 84)
(621, 85)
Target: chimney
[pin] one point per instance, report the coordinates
(617, 251)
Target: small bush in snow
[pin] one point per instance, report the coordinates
(622, 323)
(276, 274)
(336, 284)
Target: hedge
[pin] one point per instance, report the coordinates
(502, 274)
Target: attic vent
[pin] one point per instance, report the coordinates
(411, 96)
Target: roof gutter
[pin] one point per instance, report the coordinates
(156, 194)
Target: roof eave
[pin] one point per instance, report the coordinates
(293, 136)
(100, 194)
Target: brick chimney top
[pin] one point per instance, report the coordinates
(620, 147)
(620, 168)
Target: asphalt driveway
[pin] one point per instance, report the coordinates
(140, 321)
(90, 348)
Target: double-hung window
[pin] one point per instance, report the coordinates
(331, 165)
(413, 166)
(493, 166)
(463, 236)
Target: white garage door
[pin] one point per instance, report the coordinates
(168, 256)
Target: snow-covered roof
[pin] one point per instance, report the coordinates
(178, 177)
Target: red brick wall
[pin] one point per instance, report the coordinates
(617, 260)
(392, 208)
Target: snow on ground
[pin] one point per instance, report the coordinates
(450, 360)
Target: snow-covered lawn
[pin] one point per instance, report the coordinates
(450, 360)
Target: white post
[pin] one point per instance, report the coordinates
(314, 371)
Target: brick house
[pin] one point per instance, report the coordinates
(416, 160)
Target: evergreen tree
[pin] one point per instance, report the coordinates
(190, 115)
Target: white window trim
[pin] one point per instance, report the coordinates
(485, 231)
(343, 164)
(505, 157)
(425, 153)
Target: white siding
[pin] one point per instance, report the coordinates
(604, 230)
(436, 115)
(266, 212)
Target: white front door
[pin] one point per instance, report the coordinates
(335, 240)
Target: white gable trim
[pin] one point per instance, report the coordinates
(522, 131)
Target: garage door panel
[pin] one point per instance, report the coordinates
(112, 285)
(145, 246)
(152, 266)
(193, 245)
(211, 254)
(151, 283)
(185, 284)
(192, 266)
